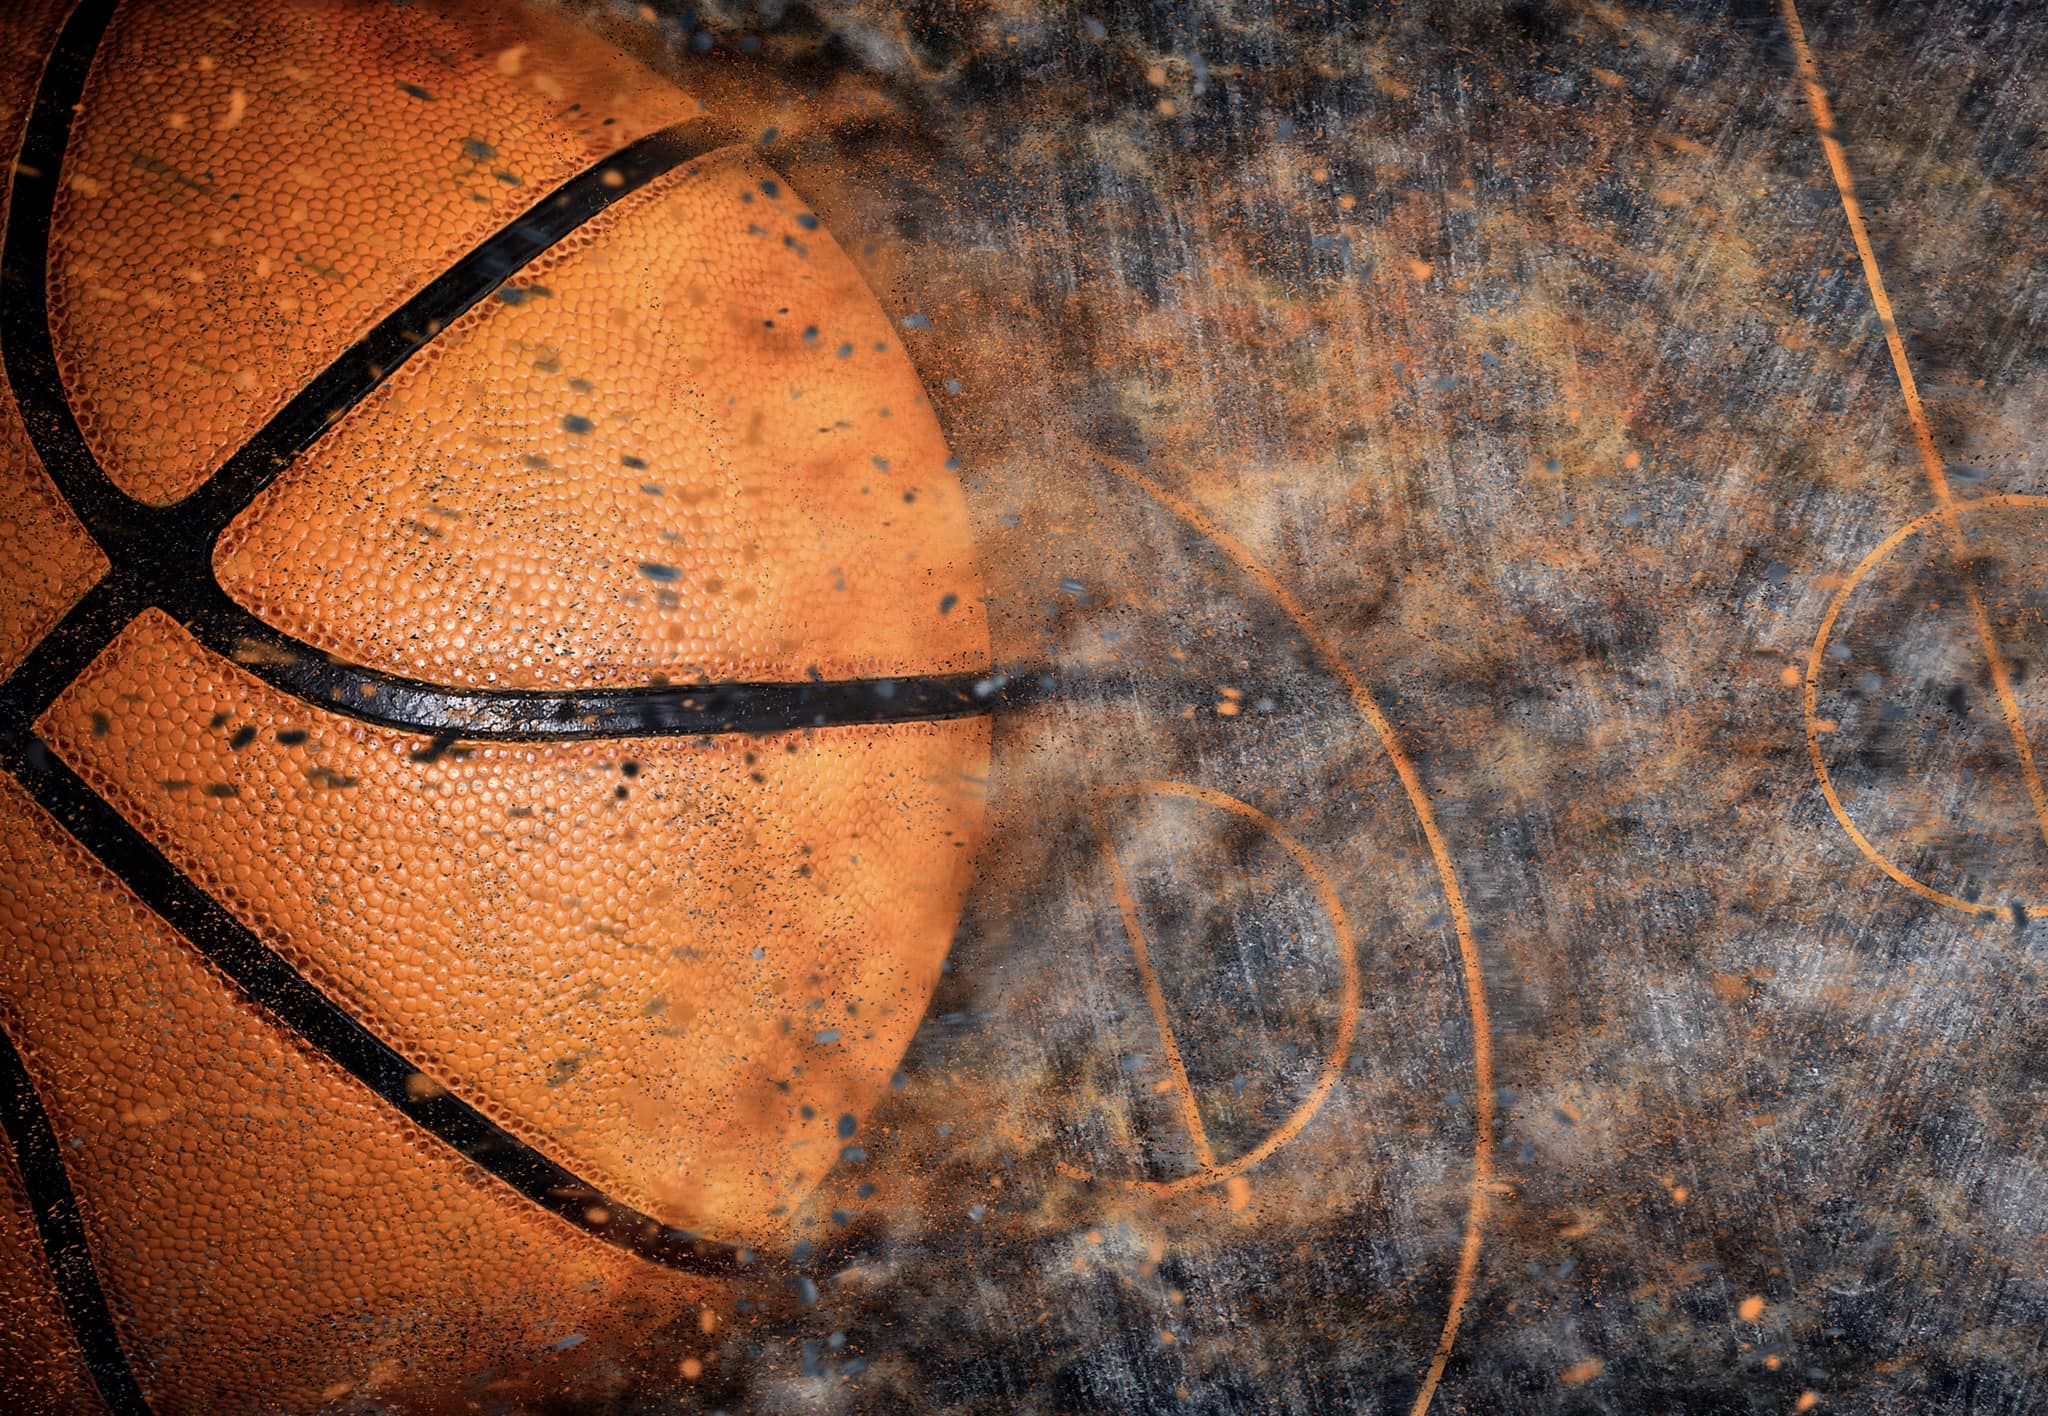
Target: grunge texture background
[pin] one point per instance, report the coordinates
(1527, 349)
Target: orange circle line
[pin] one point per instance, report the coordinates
(1916, 412)
(1856, 578)
(1447, 872)
(1350, 1002)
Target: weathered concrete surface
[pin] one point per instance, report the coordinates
(1528, 351)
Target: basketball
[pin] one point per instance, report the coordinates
(495, 707)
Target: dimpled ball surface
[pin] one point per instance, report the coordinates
(682, 444)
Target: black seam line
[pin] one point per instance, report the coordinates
(161, 555)
(270, 982)
(187, 530)
(368, 363)
(448, 715)
(59, 657)
(55, 1206)
(27, 353)
(171, 547)
(444, 714)
(25, 343)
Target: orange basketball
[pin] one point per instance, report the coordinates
(491, 719)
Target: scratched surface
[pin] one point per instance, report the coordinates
(1440, 471)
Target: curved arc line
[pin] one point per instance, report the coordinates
(54, 1204)
(1946, 506)
(1350, 997)
(1854, 581)
(1447, 873)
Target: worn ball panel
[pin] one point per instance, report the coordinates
(683, 444)
(269, 1234)
(672, 965)
(42, 1371)
(252, 184)
(46, 559)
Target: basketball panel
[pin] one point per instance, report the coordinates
(252, 184)
(46, 559)
(269, 1234)
(42, 1370)
(684, 444)
(672, 965)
